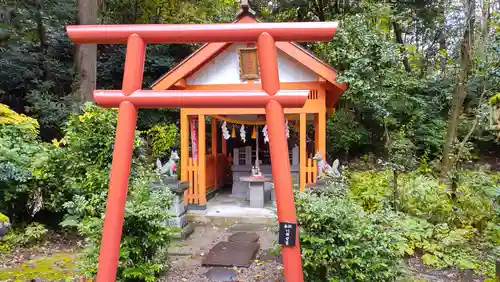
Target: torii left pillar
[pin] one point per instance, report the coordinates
(122, 161)
(131, 97)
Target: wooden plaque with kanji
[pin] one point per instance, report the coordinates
(249, 63)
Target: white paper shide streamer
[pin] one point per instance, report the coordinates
(243, 134)
(225, 131)
(287, 129)
(264, 133)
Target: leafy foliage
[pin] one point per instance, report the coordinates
(146, 234)
(70, 177)
(86, 155)
(3, 218)
(340, 242)
(23, 237)
(347, 134)
(21, 157)
(461, 232)
(163, 138)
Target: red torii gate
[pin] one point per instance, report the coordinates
(131, 97)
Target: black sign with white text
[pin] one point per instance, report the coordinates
(287, 234)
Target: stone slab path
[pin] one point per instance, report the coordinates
(186, 256)
(231, 254)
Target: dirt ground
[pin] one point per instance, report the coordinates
(186, 256)
(185, 259)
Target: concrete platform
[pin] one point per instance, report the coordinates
(225, 209)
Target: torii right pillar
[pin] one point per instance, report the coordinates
(280, 161)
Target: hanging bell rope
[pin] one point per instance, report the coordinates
(254, 132)
(233, 133)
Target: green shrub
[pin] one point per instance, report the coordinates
(371, 188)
(22, 155)
(477, 200)
(163, 137)
(439, 245)
(341, 243)
(146, 235)
(422, 196)
(345, 133)
(461, 233)
(81, 164)
(3, 218)
(29, 236)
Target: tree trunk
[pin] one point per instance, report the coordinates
(395, 189)
(460, 92)
(86, 54)
(40, 30)
(485, 26)
(399, 39)
(443, 57)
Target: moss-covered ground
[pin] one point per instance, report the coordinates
(56, 267)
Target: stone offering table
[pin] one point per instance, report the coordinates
(256, 189)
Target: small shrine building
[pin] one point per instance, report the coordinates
(235, 140)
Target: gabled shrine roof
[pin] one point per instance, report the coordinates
(208, 51)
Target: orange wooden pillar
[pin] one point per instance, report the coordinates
(302, 151)
(214, 148)
(316, 133)
(122, 160)
(280, 159)
(202, 161)
(184, 149)
(322, 124)
(224, 146)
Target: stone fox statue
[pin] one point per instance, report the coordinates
(170, 167)
(324, 167)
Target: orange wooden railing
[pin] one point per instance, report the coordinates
(215, 171)
(192, 194)
(311, 171)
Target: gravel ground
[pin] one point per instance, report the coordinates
(186, 256)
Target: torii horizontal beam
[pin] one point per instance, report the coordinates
(200, 99)
(201, 33)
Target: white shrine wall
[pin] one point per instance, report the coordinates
(225, 69)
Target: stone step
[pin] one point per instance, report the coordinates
(244, 237)
(231, 254)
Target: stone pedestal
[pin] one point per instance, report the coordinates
(269, 191)
(256, 190)
(178, 209)
(256, 195)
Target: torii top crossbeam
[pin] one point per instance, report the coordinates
(131, 97)
(167, 33)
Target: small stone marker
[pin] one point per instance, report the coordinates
(244, 237)
(221, 274)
